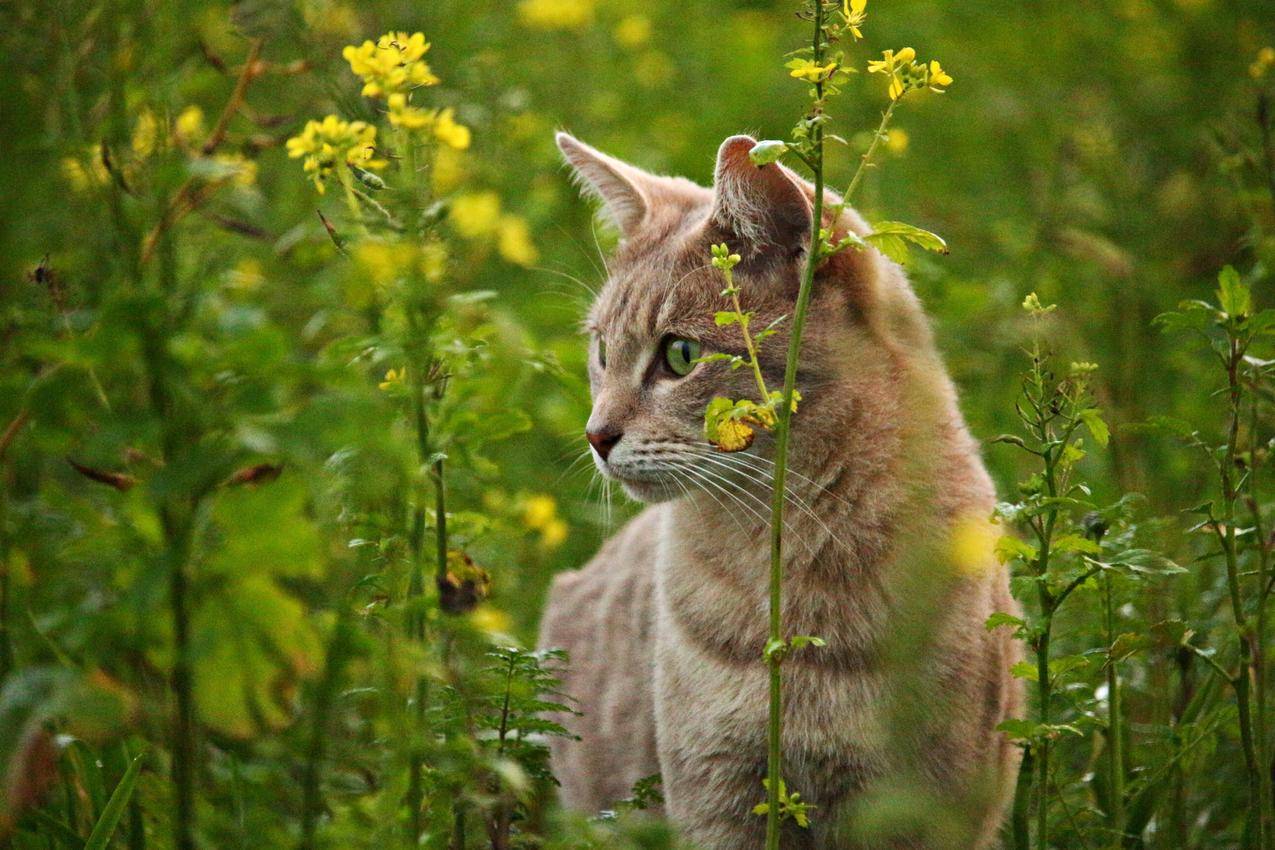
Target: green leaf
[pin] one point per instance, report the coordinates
(1000, 618)
(100, 837)
(892, 238)
(1092, 418)
(1023, 670)
(1075, 543)
(1233, 295)
(1009, 547)
(767, 151)
(724, 318)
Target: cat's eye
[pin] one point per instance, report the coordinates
(602, 352)
(680, 355)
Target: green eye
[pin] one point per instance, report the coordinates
(680, 355)
(602, 352)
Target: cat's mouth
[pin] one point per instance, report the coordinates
(642, 483)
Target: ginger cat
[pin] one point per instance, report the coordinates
(889, 729)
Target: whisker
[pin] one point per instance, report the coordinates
(763, 516)
(724, 460)
(699, 484)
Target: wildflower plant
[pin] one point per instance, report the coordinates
(730, 424)
(1072, 544)
(399, 239)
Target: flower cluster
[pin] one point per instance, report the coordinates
(392, 69)
(326, 143)
(394, 64)
(478, 217)
(906, 74)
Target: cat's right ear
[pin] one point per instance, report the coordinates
(617, 184)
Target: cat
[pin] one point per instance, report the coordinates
(889, 729)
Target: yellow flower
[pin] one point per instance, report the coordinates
(402, 114)
(393, 64)
(449, 169)
(896, 141)
(853, 12)
(556, 14)
(188, 129)
(491, 620)
(972, 545)
(538, 511)
(433, 263)
(449, 132)
(145, 134)
(393, 378)
(808, 70)
(553, 534)
(383, 262)
(937, 78)
(513, 241)
(1264, 62)
(237, 168)
(733, 435)
(81, 178)
(633, 31)
(475, 215)
(906, 74)
(332, 141)
(890, 61)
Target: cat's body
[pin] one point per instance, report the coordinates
(887, 554)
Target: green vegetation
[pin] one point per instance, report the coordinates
(291, 388)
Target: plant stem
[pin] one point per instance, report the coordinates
(1115, 740)
(748, 337)
(311, 782)
(866, 159)
(177, 532)
(1255, 833)
(774, 756)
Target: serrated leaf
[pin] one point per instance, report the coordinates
(1000, 618)
(1009, 547)
(892, 239)
(1024, 670)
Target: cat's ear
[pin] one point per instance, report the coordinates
(764, 205)
(622, 188)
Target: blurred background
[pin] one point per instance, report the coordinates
(1086, 151)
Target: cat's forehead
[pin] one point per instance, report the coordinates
(658, 289)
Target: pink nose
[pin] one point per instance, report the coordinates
(603, 441)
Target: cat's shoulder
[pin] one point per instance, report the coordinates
(623, 566)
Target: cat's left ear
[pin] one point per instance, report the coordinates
(763, 205)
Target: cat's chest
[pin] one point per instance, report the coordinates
(713, 593)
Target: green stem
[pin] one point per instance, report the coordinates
(1255, 834)
(1019, 816)
(1043, 691)
(1115, 740)
(748, 337)
(774, 755)
(866, 159)
(177, 532)
(316, 753)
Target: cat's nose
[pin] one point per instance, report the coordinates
(603, 441)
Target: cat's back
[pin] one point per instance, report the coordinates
(601, 614)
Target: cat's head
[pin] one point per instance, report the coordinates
(654, 317)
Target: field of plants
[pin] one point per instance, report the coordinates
(293, 391)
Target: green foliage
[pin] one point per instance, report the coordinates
(219, 518)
